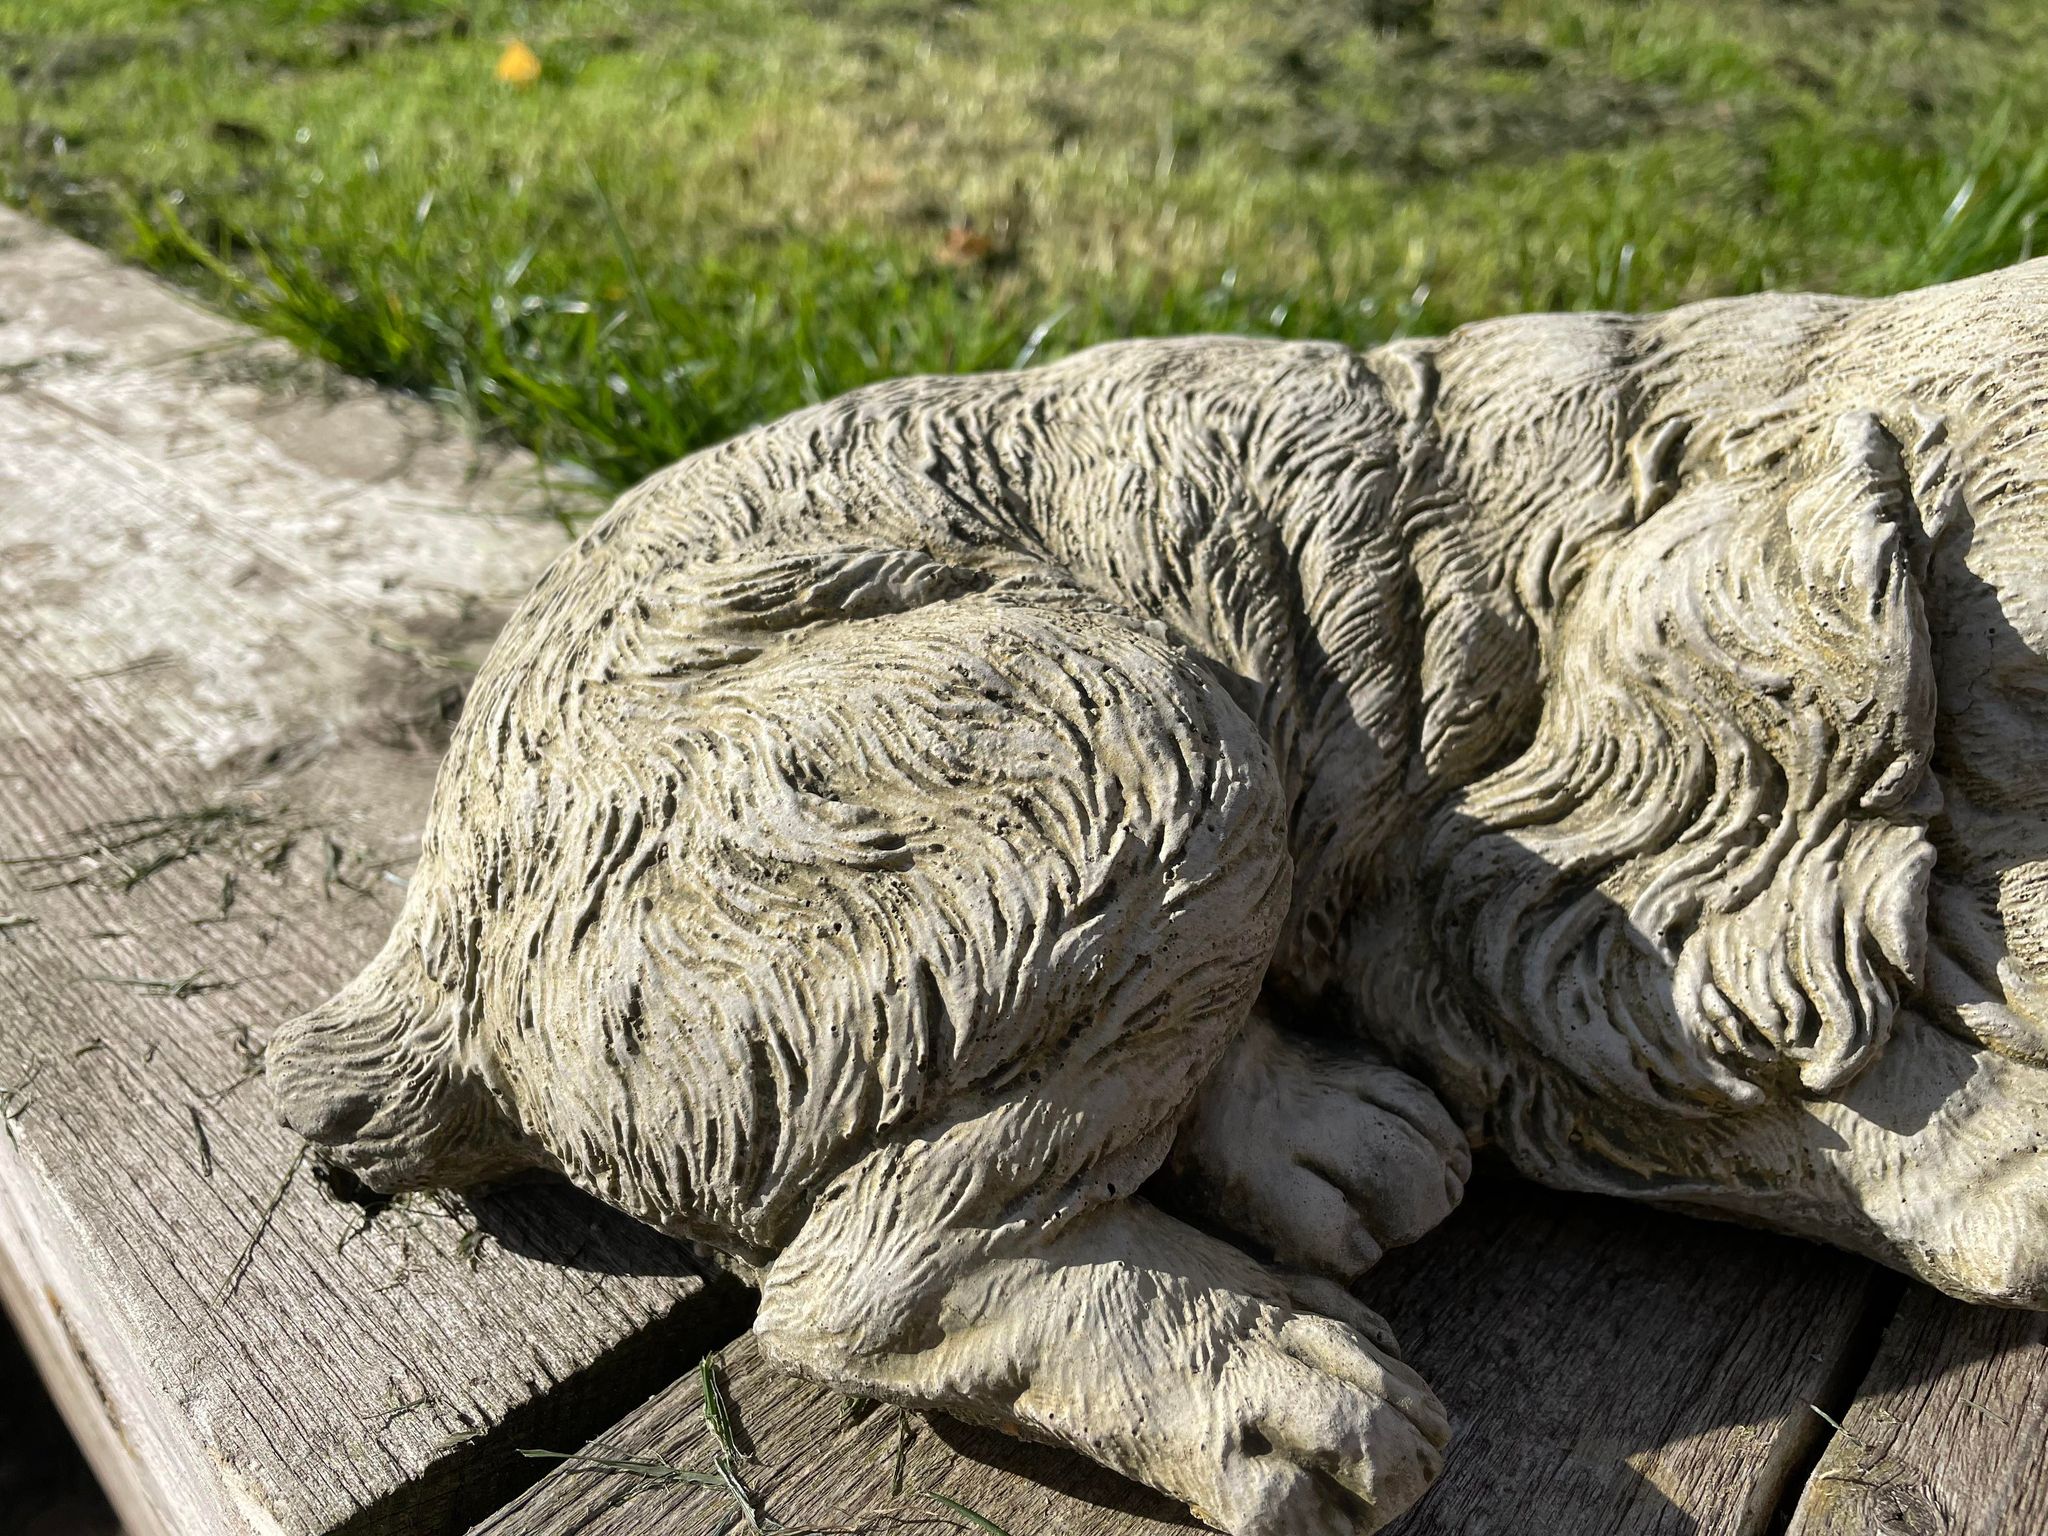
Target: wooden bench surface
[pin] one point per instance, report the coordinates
(235, 609)
(238, 598)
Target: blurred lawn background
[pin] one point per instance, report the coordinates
(696, 215)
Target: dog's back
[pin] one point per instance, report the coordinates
(832, 776)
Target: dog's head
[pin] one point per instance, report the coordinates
(1708, 868)
(1689, 848)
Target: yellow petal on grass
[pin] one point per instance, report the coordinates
(518, 64)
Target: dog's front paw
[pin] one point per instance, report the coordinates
(1324, 1160)
(1322, 1431)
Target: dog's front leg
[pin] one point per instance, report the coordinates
(1271, 1402)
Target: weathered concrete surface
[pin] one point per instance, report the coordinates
(239, 601)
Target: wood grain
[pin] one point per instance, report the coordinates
(1948, 1435)
(1610, 1369)
(238, 600)
(819, 1466)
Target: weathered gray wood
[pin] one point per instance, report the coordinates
(820, 1463)
(1615, 1369)
(1610, 1369)
(1948, 1435)
(237, 599)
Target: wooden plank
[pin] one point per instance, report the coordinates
(237, 602)
(1948, 1433)
(1618, 1369)
(1609, 1369)
(818, 1466)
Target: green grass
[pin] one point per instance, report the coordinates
(706, 214)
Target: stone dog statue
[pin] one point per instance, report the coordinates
(918, 845)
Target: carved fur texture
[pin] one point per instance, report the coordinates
(923, 844)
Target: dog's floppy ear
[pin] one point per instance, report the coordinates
(1707, 875)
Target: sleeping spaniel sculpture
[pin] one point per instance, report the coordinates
(920, 845)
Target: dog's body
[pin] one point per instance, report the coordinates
(867, 849)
